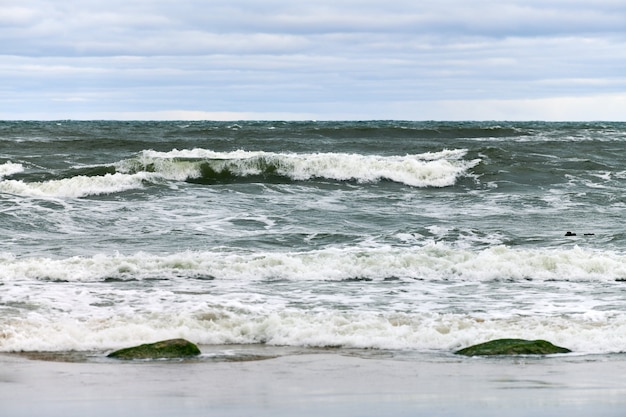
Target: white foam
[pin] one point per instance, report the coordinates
(441, 298)
(438, 169)
(220, 321)
(74, 187)
(9, 168)
(431, 169)
(433, 261)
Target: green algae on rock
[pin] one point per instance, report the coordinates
(165, 349)
(512, 347)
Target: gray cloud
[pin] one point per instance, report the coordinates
(199, 27)
(360, 58)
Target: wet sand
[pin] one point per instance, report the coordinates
(326, 384)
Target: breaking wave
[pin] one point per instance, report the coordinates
(439, 169)
(432, 262)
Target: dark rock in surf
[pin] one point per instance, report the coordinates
(570, 234)
(512, 347)
(165, 349)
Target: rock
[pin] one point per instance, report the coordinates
(166, 349)
(513, 347)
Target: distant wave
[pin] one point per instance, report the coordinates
(432, 130)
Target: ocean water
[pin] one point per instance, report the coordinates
(403, 236)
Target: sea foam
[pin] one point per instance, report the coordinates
(101, 325)
(432, 297)
(431, 169)
(74, 187)
(9, 168)
(436, 261)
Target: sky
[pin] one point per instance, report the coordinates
(513, 60)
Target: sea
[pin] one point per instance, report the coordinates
(373, 236)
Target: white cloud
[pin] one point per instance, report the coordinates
(17, 16)
(572, 108)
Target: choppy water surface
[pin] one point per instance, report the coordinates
(418, 236)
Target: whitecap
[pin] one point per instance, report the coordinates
(430, 169)
(9, 168)
(75, 187)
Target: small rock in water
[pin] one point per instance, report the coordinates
(166, 349)
(512, 347)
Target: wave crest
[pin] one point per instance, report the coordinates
(9, 168)
(438, 169)
(430, 169)
(75, 187)
(432, 262)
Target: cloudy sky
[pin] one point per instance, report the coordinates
(315, 59)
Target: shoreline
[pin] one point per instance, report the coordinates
(308, 384)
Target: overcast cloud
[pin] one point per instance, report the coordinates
(339, 59)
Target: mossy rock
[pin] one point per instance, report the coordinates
(512, 347)
(166, 349)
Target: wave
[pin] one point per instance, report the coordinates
(432, 262)
(424, 298)
(9, 168)
(76, 182)
(407, 129)
(438, 169)
(78, 186)
(232, 323)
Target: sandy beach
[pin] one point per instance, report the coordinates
(329, 384)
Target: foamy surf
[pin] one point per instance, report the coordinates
(76, 187)
(9, 168)
(431, 262)
(98, 319)
(431, 169)
(431, 298)
(438, 169)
